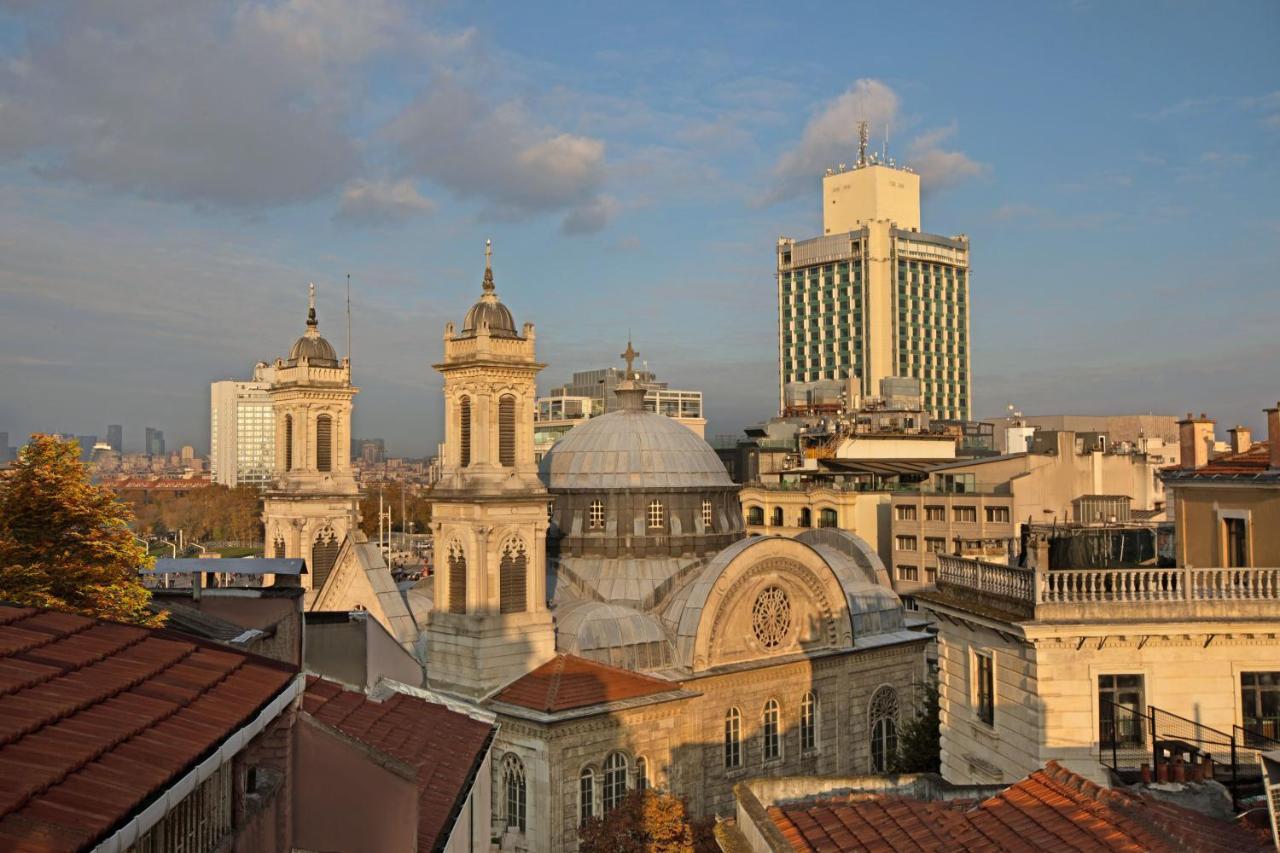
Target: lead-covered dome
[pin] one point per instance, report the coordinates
(488, 312)
(311, 346)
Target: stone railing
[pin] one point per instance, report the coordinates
(978, 579)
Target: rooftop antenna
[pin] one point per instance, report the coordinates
(884, 152)
(862, 143)
(348, 318)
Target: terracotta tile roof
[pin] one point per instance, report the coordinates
(1252, 463)
(1052, 809)
(566, 682)
(97, 718)
(445, 747)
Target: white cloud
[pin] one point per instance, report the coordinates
(378, 202)
(590, 217)
(938, 167)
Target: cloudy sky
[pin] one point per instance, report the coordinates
(173, 174)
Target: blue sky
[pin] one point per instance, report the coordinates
(173, 174)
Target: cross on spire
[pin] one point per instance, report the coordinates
(629, 356)
(311, 304)
(488, 266)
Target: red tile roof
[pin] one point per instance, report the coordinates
(445, 747)
(1254, 462)
(1052, 809)
(97, 718)
(566, 682)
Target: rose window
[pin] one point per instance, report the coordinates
(771, 617)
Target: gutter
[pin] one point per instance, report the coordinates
(126, 836)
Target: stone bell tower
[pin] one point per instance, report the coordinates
(490, 622)
(314, 501)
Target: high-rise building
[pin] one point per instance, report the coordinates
(874, 296)
(115, 437)
(242, 438)
(155, 442)
(86, 446)
(4, 447)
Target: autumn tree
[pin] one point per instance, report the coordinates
(64, 542)
(646, 822)
(416, 506)
(920, 741)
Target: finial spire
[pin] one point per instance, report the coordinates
(630, 356)
(311, 305)
(488, 266)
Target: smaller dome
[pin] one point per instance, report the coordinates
(612, 634)
(313, 348)
(489, 311)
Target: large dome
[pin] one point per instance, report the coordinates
(489, 311)
(629, 449)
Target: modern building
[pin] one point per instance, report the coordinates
(115, 437)
(874, 296)
(4, 447)
(242, 430)
(154, 443)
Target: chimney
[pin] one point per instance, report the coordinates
(1241, 438)
(1273, 435)
(1195, 438)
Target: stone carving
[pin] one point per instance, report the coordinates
(771, 617)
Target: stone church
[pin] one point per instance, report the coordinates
(608, 605)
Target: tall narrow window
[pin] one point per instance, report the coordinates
(507, 431)
(656, 515)
(733, 738)
(1260, 704)
(457, 579)
(770, 741)
(615, 780)
(514, 791)
(984, 688)
(755, 515)
(512, 568)
(1237, 541)
(586, 795)
(776, 520)
(464, 431)
(1120, 710)
(324, 443)
(595, 517)
(809, 723)
(806, 517)
(706, 516)
(288, 442)
(883, 716)
(324, 553)
(642, 774)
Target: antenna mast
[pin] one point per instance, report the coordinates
(348, 318)
(862, 143)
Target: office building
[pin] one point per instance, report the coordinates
(154, 442)
(4, 447)
(86, 443)
(875, 296)
(242, 436)
(115, 437)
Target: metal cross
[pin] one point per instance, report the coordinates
(629, 356)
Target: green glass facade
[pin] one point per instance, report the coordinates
(822, 321)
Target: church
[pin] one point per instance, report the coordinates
(607, 603)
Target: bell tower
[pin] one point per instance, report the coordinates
(490, 623)
(313, 503)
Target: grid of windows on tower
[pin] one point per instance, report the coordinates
(932, 306)
(822, 318)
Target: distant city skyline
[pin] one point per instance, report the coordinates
(1123, 222)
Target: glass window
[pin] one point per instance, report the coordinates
(827, 518)
(755, 515)
(998, 514)
(772, 745)
(777, 516)
(906, 513)
(984, 687)
(935, 544)
(935, 513)
(733, 738)
(615, 780)
(1237, 541)
(908, 573)
(706, 515)
(904, 543)
(595, 515)
(806, 517)
(656, 515)
(642, 774)
(586, 795)
(1120, 710)
(883, 715)
(809, 722)
(965, 514)
(1260, 703)
(514, 788)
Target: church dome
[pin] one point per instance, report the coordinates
(488, 311)
(311, 346)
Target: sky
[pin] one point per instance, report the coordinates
(173, 173)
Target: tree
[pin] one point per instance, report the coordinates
(416, 506)
(646, 822)
(919, 744)
(65, 543)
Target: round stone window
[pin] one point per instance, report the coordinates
(771, 617)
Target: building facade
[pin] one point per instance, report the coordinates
(876, 297)
(242, 430)
(154, 443)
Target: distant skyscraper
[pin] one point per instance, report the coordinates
(242, 436)
(115, 437)
(874, 296)
(155, 442)
(86, 446)
(4, 447)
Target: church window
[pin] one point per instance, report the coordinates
(884, 729)
(827, 518)
(656, 515)
(642, 774)
(288, 442)
(777, 516)
(507, 431)
(278, 547)
(464, 431)
(514, 792)
(733, 738)
(324, 443)
(706, 515)
(772, 743)
(806, 517)
(595, 516)
(809, 722)
(615, 780)
(755, 515)
(586, 795)
(771, 617)
(457, 579)
(324, 553)
(513, 568)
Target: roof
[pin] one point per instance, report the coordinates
(566, 682)
(883, 467)
(97, 719)
(1052, 809)
(445, 747)
(234, 565)
(1251, 464)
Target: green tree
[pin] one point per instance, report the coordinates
(65, 543)
(919, 743)
(416, 506)
(647, 822)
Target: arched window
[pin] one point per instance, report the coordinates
(706, 516)
(324, 443)
(288, 442)
(827, 518)
(586, 795)
(883, 715)
(656, 515)
(595, 517)
(513, 787)
(755, 515)
(771, 743)
(464, 431)
(324, 553)
(642, 774)
(615, 780)
(457, 578)
(806, 517)
(278, 547)
(777, 517)
(809, 722)
(512, 569)
(507, 431)
(733, 738)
